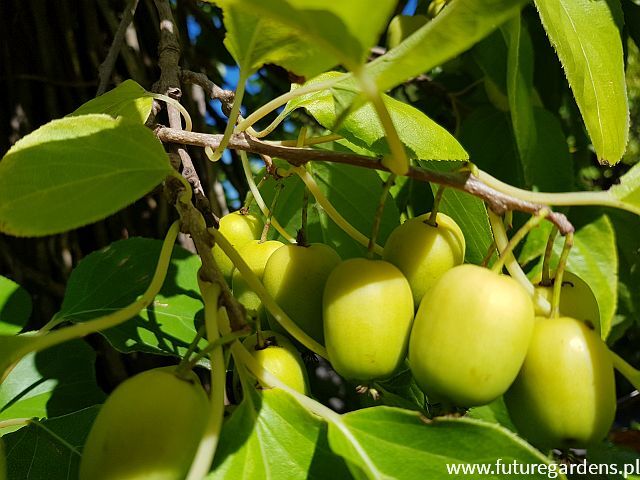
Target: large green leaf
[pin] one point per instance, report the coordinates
(15, 307)
(586, 36)
(354, 192)
(610, 455)
(270, 436)
(385, 442)
(520, 89)
(305, 36)
(423, 138)
(454, 30)
(51, 383)
(128, 100)
(50, 449)
(113, 278)
(77, 170)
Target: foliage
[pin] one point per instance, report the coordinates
(514, 119)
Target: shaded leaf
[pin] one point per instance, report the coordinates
(50, 449)
(384, 442)
(77, 170)
(495, 412)
(586, 36)
(628, 189)
(15, 307)
(116, 276)
(128, 100)
(51, 383)
(270, 436)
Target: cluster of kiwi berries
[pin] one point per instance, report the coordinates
(470, 335)
(475, 337)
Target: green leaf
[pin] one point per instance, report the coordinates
(385, 442)
(51, 383)
(495, 412)
(423, 138)
(610, 455)
(75, 171)
(270, 436)
(113, 278)
(454, 30)
(13, 348)
(49, 449)
(627, 190)
(586, 36)
(520, 89)
(304, 36)
(128, 100)
(15, 307)
(353, 191)
(402, 26)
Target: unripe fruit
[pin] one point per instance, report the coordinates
(368, 311)
(149, 427)
(470, 336)
(576, 300)
(279, 357)
(564, 395)
(255, 254)
(238, 229)
(423, 252)
(295, 276)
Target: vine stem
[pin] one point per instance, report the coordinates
(557, 282)
(532, 223)
(627, 371)
(242, 356)
(377, 219)
(14, 422)
(231, 120)
(209, 442)
(41, 341)
(501, 239)
(399, 162)
(259, 200)
(546, 277)
(601, 198)
(270, 106)
(267, 300)
(332, 212)
(274, 203)
(188, 124)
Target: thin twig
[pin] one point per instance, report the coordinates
(106, 68)
(463, 180)
(214, 91)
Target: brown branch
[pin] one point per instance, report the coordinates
(214, 92)
(106, 68)
(192, 220)
(460, 180)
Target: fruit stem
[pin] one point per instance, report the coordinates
(258, 197)
(268, 302)
(302, 233)
(627, 371)
(331, 211)
(14, 422)
(185, 195)
(532, 223)
(249, 200)
(377, 219)
(432, 220)
(233, 117)
(490, 251)
(557, 282)
(546, 277)
(185, 363)
(267, 224)
(500, 236)
(209, 442)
